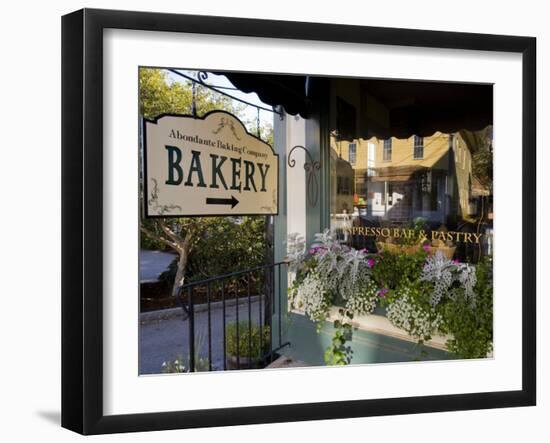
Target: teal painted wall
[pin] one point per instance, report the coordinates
(280, 232)
(309, 346)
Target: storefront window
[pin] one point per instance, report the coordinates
(438, 184)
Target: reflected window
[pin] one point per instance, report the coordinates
(418, 148)
(387, 150)
(352, 153)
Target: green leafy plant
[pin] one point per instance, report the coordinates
(339, 353)
(392, 271)
(471, 325)
(249, 342)
(424, 294)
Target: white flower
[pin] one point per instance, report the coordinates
(313, 297)
(363, 300)
(339, 271)
(406, 315)
(296, 250)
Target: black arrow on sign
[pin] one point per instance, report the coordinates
(223, 201)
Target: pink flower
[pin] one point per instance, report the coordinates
(456, 261)
(371, 262)
(364, 250)
(316, 249)
(426, 248)
(382, 292)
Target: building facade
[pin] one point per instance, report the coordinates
(397, 180)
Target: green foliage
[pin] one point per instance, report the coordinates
(405, 283)
(480, 144)
(392, 271)
(146, 242)
(226, 244)
(339, 353)
(471, 324)
(468, 320)
(231, 244)
(158, 94)
(264, 132)
(252, 345)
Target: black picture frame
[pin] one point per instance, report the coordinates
(82, 233)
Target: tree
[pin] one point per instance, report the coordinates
(480, 144)
(264, 131)
(158, 94)
(179, 238)
(238, 243)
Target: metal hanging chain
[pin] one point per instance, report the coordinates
(201, 80)
(194, 104)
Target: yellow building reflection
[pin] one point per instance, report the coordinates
(398, 180)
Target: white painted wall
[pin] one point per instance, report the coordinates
(296, 176)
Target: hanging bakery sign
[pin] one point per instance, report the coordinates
(207, 166)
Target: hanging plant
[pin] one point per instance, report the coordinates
(329, 274)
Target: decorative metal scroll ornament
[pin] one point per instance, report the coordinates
(201, 79)
(311, 167)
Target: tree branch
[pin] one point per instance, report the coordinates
(162, 239)
(175, 237)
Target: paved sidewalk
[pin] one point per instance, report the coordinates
(163, 335)
(153, 263)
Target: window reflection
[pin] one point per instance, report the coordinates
(443, 180)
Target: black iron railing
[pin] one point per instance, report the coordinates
(240, 314)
